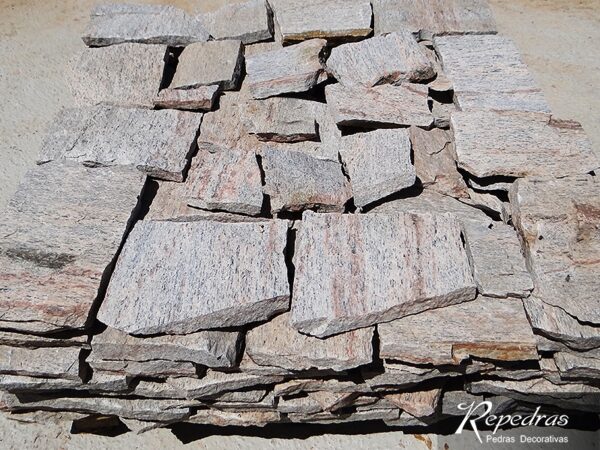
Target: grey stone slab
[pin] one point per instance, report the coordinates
(100, 382)
(296, 68)
(51, 362)
(266, 403)
(336, 20)
(401, 376)
(214, 383)
(148, 24)
(13, 339)
(261, 47)
(156, 142)
(487, 73)
(378, 164)
(452, 399)
(251, 396)
(358, 416)
(558, 221)
(236, 269)
(201, 98)
(417, 403)
(487, 328)
(397, 105)
(58, 237)
(296, 181)
(490, 203)
(156, 368)
(518, 144)
(123, 75)
(391, 59)
(305, 404)
(249, 22)
(209, 63)
(233, 418)
(578, 366)
(208, 348)
(170, 203)
(276, 343)
(433, 17)
(496, 257)
(398, 281)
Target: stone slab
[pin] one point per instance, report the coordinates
(399, 281)
(358, 416)
(249, 22)
(417, 403)
(235, 419)
(156, 368)
(13, 339)
(201, 98)
(51, 362)
(578, 366)
(214, 383)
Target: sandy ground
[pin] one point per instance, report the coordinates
(558, 39)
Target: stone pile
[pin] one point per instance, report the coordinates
(336, 224)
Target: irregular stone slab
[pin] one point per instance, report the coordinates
(558, 220)
(401, 281)
(578, 366)
(335, 20)
(358, 416)
(33, 341)
(417, 404)
(520, 145)
(296, 181)
(214, 383)
(261, 47)
(298, 386)
(276, 343)
(197, 260)
(488, 74)
(378, 164)
(225, 180)
(306, 404)
(209, 348)
(297, 68)
(124, 75)
(201, 98)
(100, 382)
(157, 368)
(209, 63)
(333, 401)
(404, 377)
(498, 264)
(156, 142)
(148, 24)
(157, 389)
(52, 362)
(451, 400)
(489, 203)
(234, 419)
(253, 396)
(386, 104)
(266, 403)
(58, 237)
(248, 366)
(391, 59)
(435, 161)
(485, 328)
(282, 119)
(486, 185)
(249, 22)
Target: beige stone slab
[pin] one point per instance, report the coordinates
(237, 269)
(298, 386)
(489, 203)
(224, 127)
(214, 383)
(58, 237)
(399, 281)
(358, 416)
(249, 22)
(418, 403)
(14, 339)
(233, 418)
(303, 404)
(396, 105)
(51, 362)
(100, 382)
(489, 328)
(201, 98)
(261, 47)
(156, 368)
(406, 377)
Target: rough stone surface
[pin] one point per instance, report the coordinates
(214, 383)
(489, 203)
(58, 235)
(487, 328)
(398, 281)
(276, 343)
(35, 341)
(156, 368)
(100, 382)
(156, 142)
(297, 68)
(201, 98)
(518, 144)
(296, 181)
(386, 104)
(418, 403)
(124, 75)
(52, 362)
(433, 17)
(336, 20)
(249, 22)
(148, 24)
(209, 63)
(358, 416)
(234, 418)
(205, 275)
(391, 59)
(488, 74)
(378, 164)
(578, 366)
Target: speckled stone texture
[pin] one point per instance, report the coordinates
(249, 22)
(201, 98)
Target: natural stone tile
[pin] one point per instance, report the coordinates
(433, 16)
(488, 74)
(296, 68)
(124, 75)
(418, 403)
(261, 47)
(100, 382)
(391, 59)
(252, 396)
(306, 404)
(208, 348)
(170, 203)
(157, 368)
(52, 362)
(13, 339)
(378, 164)
(296, 181)
(386, 104)
(233, 418)
(558, 221)
(148, 24)
(209, 63)
(517, 144)
(276, 343)
(487, 328)
(336, 20)
(214, 383)
(496, 257)
(201, 98)
(398, 281)
(156, 142)
(578, 366)
(249, 22)
(237, 269)
(58, 237)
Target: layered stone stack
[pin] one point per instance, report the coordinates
(273, 213)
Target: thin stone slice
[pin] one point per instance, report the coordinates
(235, 419)
(52, 362)
(201, 98)
(214, 383)
(13, 339)
(358, 416)
(156, 368)
(400, 281)
(249, 22)
(418, 403)
(578, 366)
